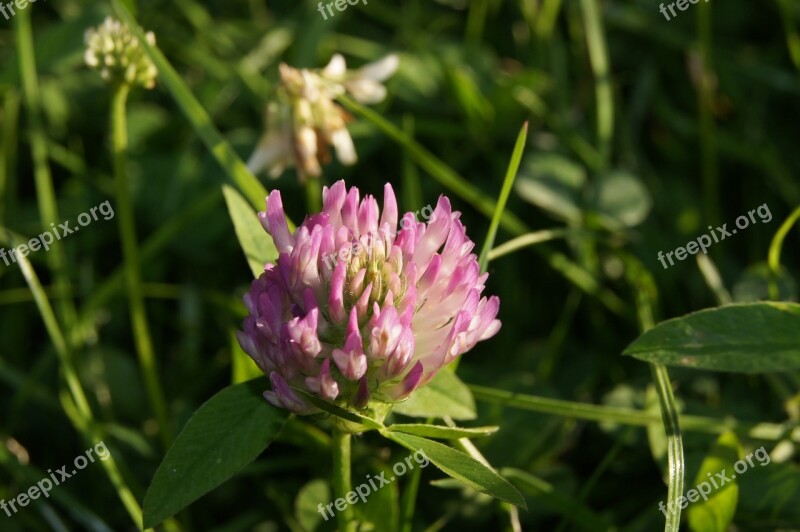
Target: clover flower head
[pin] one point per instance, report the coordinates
(358, 312)
(304, 121)
(114, 50)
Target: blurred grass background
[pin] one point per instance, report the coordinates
(698, 115)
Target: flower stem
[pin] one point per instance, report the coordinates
(340, 443)
(598, 57)
(409, 500)
(775, 247)
(43, 178)
(75, 402)
(130, 251)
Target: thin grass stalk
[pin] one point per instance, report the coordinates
(130, 251)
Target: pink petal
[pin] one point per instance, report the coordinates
(336, 298)
(389, 215)
(274, 222)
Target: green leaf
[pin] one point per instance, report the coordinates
(256, 243)
(754, 285)
(715, 513)
(309, 497)
(553, 183)
(444, 396)
(441, 432)
(620, 198)
(225, 434)
(745, 338)
(461, 467)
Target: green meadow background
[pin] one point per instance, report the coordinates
(642, 132)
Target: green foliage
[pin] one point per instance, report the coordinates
(439, 432)
(461, 467)
(745, 338)
(258, 247)
(225, 434)
(642, 133)
(444, 396)
(714, 513)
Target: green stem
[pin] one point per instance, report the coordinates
(598, 57)
(547, 20)
(790, 28)
(628, 416)
(45, 191)
(82, 418)
(130, 251)
(476, 20)
(530, 239)
(409, 500)
(646, 293)
(675, 459)
(774, 257)
(340, 443)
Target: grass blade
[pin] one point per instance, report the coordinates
(508, 184)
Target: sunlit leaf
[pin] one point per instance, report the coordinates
(745, 338)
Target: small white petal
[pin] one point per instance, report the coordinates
(336, 68)
(90, 58)
(366, 91)
(345, 151)
(272, 148)
(380, 70)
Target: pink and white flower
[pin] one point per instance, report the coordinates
(379, 324)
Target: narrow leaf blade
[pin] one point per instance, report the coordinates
(508, 183)
(461, 467)
(440, 432)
